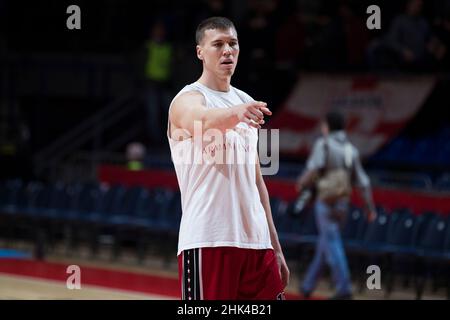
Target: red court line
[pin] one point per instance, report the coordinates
(114, 279)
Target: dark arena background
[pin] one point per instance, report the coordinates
(87, 185)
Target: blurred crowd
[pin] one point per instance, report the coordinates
(277, 38)
(275, 35)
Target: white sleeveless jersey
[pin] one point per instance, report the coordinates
(220, 201)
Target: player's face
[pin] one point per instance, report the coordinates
(219, 51)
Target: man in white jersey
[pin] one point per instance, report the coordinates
(228, 246)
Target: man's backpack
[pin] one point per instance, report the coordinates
(336, 184)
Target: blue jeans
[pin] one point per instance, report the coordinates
(329, 247)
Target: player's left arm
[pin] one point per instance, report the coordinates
(264, 196)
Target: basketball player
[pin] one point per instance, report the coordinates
(228, 247)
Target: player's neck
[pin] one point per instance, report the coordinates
(215, 83)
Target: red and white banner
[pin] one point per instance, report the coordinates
(375, 109)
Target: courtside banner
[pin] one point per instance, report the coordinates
(376, 109)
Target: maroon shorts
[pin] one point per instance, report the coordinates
(229, 273)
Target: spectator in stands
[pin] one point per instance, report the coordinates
(158, 71)
(289, 51)
(355, 33)
(290, 41)
(333, 166)
(327, 46)
(258, 34)
(441, 42)
(408, 45)
(135, 156)
(212, 8)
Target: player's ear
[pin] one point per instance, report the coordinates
(199, 52)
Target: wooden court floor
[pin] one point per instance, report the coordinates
(103, 279)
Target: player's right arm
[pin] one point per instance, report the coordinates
(190, 107)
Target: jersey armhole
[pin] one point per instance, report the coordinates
(170, 106)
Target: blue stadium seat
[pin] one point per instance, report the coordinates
(354, 228)
(275, 204)
(110, 199)
(160, 206)
(39, 199)
(284, 220)
(294, 229)
(9, 196)
(446, 254)
(431, 243)
(173, 218)
(123, 214)
(10, 192)
(430, 252)
(377, 232)
(59, 202)
(307, 227)
(443, 183)
(402, 246)
(401, 237)
(143, 217)
(85, 198)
